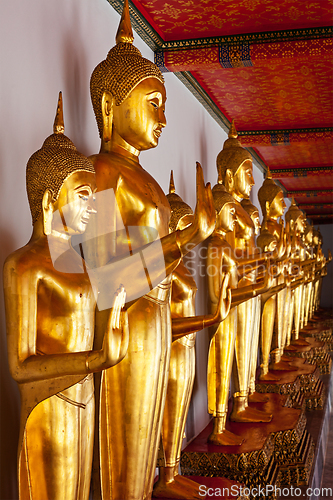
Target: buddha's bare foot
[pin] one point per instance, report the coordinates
(269, 377)
(282, 366)
(250, 415)
(300, 343)
(225, 438)
(256, 397)
(290, 347)
(177, 489)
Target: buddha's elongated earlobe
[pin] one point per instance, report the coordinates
(47, 207)
(107, 114)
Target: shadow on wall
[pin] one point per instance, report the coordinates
(9, 400)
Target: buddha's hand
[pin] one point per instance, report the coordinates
(223, 306)
(116, 337)
(204, 216)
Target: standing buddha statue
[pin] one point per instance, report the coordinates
(275, 312)
(128, 97)
(50, 315)
(234, 165)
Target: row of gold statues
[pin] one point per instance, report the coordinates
(261, 290)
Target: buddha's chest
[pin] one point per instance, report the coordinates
(65, 313)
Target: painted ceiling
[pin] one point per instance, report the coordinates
(268, 65)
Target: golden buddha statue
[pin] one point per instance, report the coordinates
(253, 212)
(50, 314)
(128, 97)
(295, 221)
(276, 309)
(234, 165)
(182, 361)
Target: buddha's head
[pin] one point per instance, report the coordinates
(181, 213)
(308, 233)
(234, 166)
(253, 213)
(295, 217)
(128, 94)
(271, 198)
(225, 209)
(266, 241)
(58, 177)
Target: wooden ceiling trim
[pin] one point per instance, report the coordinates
(245, 54)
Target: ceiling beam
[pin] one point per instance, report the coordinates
(286, 137)
(302, 194)
(284, 173)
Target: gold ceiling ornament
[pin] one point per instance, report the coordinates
(267, 192)
(50, 166)
(232, 155)
(179, 208)
(122, 70)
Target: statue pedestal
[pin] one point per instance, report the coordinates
(316, 352)
(303, 380)
(269, 449)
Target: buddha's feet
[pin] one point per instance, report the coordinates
(282, 366)
(269, 377)
(300, 343)
(250, 415)
(256, 397)
(225, 438)
(177, 489)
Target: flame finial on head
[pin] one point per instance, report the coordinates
(125, 33)
(172, 188)
(268, 174)
(58, 126)
(233, 134)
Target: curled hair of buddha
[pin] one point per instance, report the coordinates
(179, 208)
(267, 192)
(265, 238)
(249, 207)
(293, 213)
(122, 70)
(232, 155)
(50, 166)
(221, 196)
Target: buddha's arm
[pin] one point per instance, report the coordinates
(21, 313)
(191, 324)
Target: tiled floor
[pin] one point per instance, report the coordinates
(327, 481)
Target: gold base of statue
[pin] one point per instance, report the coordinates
(315, 352)
(266, 447)
(297, 471)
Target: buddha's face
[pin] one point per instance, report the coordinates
(278, 206)
(139, 120)
(226, 218)
(75, 203)
(300, 223)
(243, 180)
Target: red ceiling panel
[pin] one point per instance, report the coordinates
(279, 96)
(184, 19)
(295, 183)
(302, 155)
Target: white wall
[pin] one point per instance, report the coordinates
(55, 45)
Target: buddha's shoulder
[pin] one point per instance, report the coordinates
(30, 259)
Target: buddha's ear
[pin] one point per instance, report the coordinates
(267, 209)
(229, 180)
(107, 115)
(47, 207)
